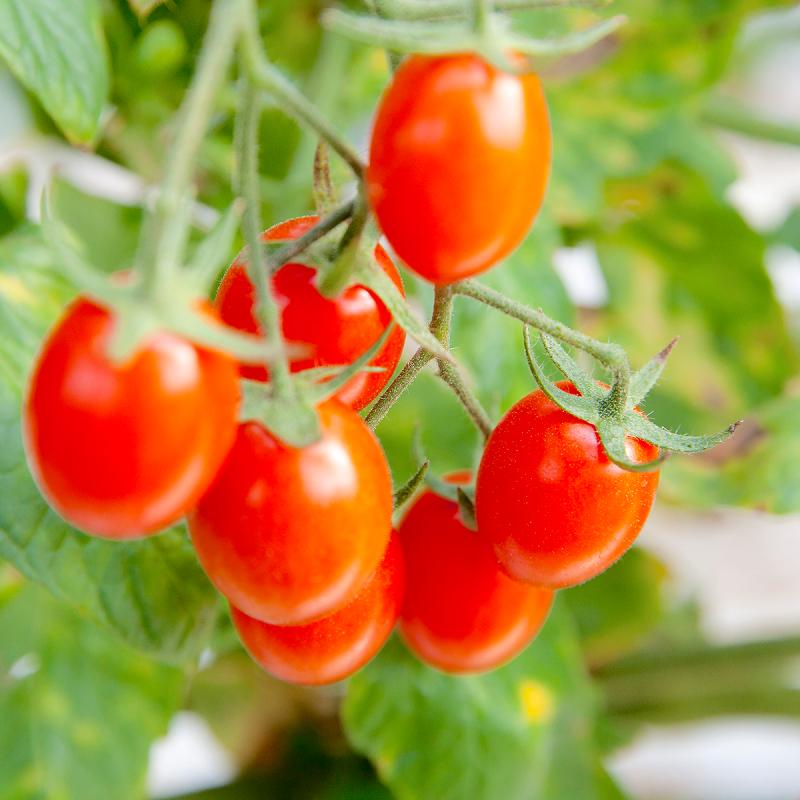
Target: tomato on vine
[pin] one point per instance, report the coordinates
(335, 646)
(555, 508)
(291, 534)
(123, 450)
(461, 613)
(339, 330)
(458, 165)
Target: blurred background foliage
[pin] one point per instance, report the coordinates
(101, 643)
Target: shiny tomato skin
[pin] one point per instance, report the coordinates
(336, 646)
(556, 510)
(458, 165)
(336, 330)
(291, 534)
(121, 451)
(461, 614)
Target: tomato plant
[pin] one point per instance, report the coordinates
(338, 330)
(123, 450)
(291, 534)
(335, 646)
(458, 163)
(461, 613)
(555, 508)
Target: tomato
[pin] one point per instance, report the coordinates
(458, 166)
(123, 450)
(461, 613)
(291, 534)
(338, 330)
(556, 510)
(336, 646)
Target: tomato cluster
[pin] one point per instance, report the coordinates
(300, 539)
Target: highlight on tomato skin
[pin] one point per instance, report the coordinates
(121, 451)
(335, 646)
(461, 613)
(458, 165)
(336, 330)
(556, 510)
(291, 534)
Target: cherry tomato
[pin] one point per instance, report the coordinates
(123, 450)
(338, 330)
(461, 613)
(289, 534)
(459, 161)
(557, 511)
(336, 646)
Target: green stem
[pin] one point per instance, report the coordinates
(270, 79)
(733, 116)
(438, 9)
(392, 393)
(481, 16)
(156, 258)
(338, 276)
(246, 136)
(612, 356)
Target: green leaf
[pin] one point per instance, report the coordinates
(151, 592)
(56, 49)
(79, 711)
(522, 731)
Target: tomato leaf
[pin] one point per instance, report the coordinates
(79, 711)
(56, 49)
(434, 735)
(151, 592)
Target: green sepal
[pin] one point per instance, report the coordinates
(569, 367)
(404, 493)
(643, 380)
(319, 392)
(465, 497)
(376, 279)
(612, 435)
(642, 428)
(290, 419)
(566, 45)
(213, 252)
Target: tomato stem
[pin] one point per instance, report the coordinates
(395, 389)
(248, 118)
(733, 116)
(439, 9)
(338, 276)
(167, 225)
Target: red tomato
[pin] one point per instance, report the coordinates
(122, 450)
(557, 511)
(461, 613)
(459, 161)
(336, 646)
(338, 330)
(289, 534)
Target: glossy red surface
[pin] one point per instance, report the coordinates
(336, 330)
(458, 165)
(124, 450)
(336, 646)
(291, 534)
(461, 614)
(554, 507)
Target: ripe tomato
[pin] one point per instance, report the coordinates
(289, 534)
(557, 511)
(122, 450)
(461, 613)
(459, 161)
(338, 330)
(336, 646)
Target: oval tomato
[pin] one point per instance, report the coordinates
(122, 450)
(556, 510)
(461, 613)
(458, 165)
(338, 330)
(333, 647)
(290, 534)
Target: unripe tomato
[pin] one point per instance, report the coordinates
(554, 507)
(123, 450)
(291, 534)
(458, 165)
(461, 613)
(338, 330)
(336, 646)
